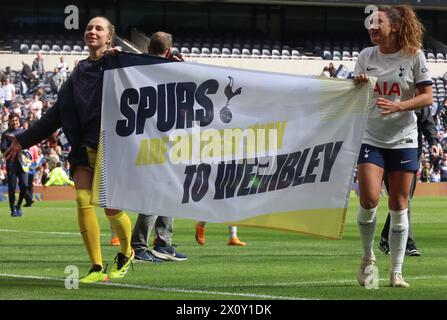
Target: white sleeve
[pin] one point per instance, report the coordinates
(360, 65)
(420, 70)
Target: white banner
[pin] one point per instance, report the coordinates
(223, 145)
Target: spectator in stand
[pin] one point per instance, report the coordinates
(326, 72)
(2, 97)
(62, 68)
(3, 179)
(443, 169)
(31, 118)
(56, 82)
(38, 66)
(37, 181)
(426, 171)
(27, 77)
(435, 175)
(36, 106)
(9, 91)
(45, 172)
(332, 70)
(58, 177)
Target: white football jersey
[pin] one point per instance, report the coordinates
(397, 76)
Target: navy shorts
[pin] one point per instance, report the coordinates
(390, 159)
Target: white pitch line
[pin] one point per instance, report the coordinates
(134, 286)
(51, 232)
(306, 283)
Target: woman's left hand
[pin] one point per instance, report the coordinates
(388, 106)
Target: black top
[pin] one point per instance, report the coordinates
(6, 143)
(427, 127)
(77, 109)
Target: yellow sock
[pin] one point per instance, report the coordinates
(89, 226)
(123, 228)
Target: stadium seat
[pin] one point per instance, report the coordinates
(295, 54)
(266, 54)
(431, 57)
(226, 53)
(195, 52)
(55, 49)
(205, 52)
(346, 55)
(46, 48)
(255, 53)
(285, 54)
(24, 48)
(246, 53)
(276, 54)
(440, 57)
(66, 48)
(235, 53)
(327, 55)
(35, 47)
(215, 52)
(184, 50)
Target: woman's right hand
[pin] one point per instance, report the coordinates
(14, 149)
(361, 78)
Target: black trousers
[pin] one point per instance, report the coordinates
(386, 227)
(15, 173)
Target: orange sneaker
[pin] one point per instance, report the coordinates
(115, 241)
(236, 242)
(200, 234)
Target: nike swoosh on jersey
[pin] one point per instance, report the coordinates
(370, 69)
(403, 162)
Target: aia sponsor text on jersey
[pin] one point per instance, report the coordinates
(387, 89)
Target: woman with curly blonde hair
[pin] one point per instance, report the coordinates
(390, 141)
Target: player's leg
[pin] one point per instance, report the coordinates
(370, 167)
(200, 232)
(163, 248)
(88, 224)
(401, 165)
(140, 235)
(411, 249)
(122, 226)
(234, 240)
(12, 184)
(383, 244)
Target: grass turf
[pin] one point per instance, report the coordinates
(36, 249)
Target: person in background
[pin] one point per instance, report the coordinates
(160, 45)
(14, 168)
(232, 241)
(426, 127)
(58, 177)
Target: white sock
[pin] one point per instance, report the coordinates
(397, 238)
(233, 231)
(366, 220)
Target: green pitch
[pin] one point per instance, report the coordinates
(36, 249)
